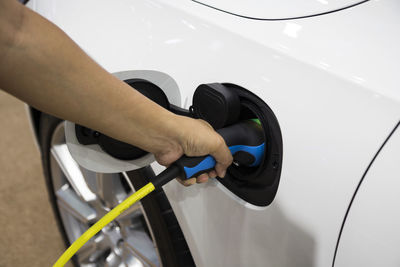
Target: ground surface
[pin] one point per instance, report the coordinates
(28, 231)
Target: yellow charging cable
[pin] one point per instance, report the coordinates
(110, 216)
(175, 170)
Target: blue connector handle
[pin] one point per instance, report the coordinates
(246, 142)
(205, 165)
(252, 154)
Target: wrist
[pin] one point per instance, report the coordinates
(160, 132)
(172, 129)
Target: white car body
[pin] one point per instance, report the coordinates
(331, 80)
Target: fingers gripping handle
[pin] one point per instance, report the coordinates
(250, 156)
(245, 141)
(194, 166)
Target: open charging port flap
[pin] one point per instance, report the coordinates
(220, 105)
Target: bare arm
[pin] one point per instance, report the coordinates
(42, 66)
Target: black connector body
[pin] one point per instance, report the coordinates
(216, 104)
(165, 176)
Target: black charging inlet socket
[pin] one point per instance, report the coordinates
(225, 104)
(257, 185)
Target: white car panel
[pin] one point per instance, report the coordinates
(357, 44)
(271, 9)
(334, 106)
(371, 236)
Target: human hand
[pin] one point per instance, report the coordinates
(196, 137)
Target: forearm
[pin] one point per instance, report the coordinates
(46, 69)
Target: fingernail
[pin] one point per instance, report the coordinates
(223, 174)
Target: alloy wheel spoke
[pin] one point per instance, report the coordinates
(94, 249)
(140, 245)
(72, 171)
(113, 260)
(130, 212)
(110, 189)
(70, 202)
(131, 219)
(83, 196)
(131, 259)
(86, 251)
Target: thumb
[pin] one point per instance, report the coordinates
(222, 156)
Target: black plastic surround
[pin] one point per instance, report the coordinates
(216, 104)
(220, 105)
(258, 185)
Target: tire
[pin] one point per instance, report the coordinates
(160, 220)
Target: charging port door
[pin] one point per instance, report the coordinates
(100, 153)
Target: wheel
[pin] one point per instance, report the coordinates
(147, 234)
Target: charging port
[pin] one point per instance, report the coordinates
(221, 105)
(257, 185)
(224, 104)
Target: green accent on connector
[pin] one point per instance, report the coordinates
(256, 120)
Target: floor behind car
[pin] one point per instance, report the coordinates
(28, 230)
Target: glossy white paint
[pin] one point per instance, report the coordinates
(331, 80)
(271, 9)
(371, 236)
